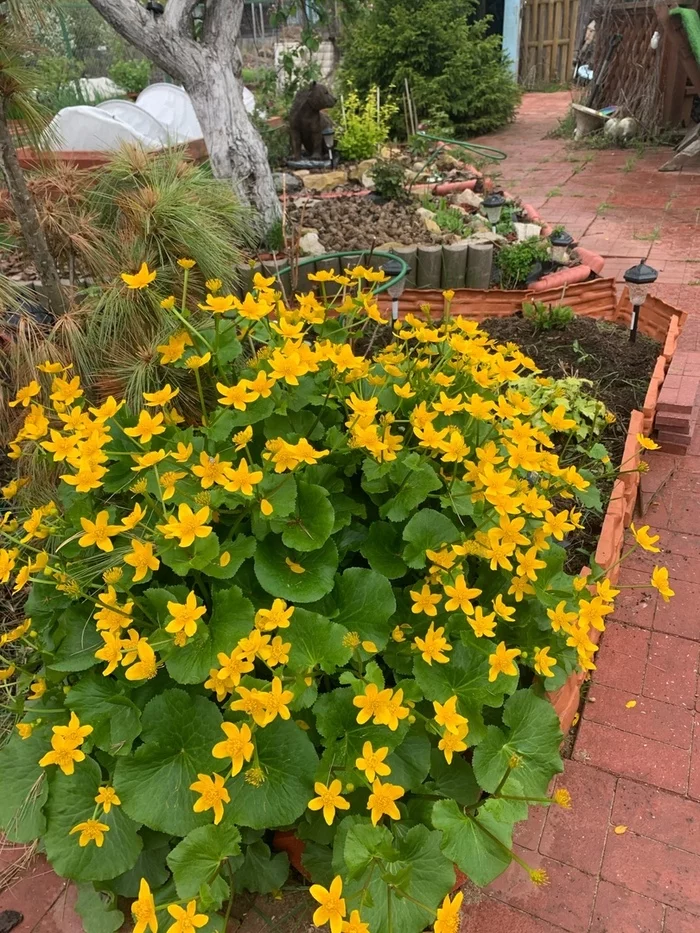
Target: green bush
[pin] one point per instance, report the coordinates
(390, 180)
(132, 76)
(516, 260)
(363, 127)
(456, 72)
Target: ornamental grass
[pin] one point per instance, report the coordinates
(334, 601)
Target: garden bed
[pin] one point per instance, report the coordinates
(619, 372)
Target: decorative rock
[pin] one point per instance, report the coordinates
(362, 168)
(424, 212)
(286, 181)
(468, 198)
(483, 236)
(418, 167)
(310, 245)
(325, 181)
(367, 181)
(525, 231)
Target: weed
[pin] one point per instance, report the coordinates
(547, 317)
(516, 260)
(650, 237)
(603, 207)
(554, 193)
(630, 163)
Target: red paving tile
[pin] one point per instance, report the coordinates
(632, 756)
(678, 921)
(649, 718)
(618, 910)
(655, 870)
(671, 671)
(577, 836)
(622, 660)
(491, 916)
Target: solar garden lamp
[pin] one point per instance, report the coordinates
(328, 135)
(393, 269)
(638, 279)
(561, 242)
(493, 205)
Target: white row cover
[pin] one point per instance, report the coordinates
(162, 115)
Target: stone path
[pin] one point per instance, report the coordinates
(637, 767)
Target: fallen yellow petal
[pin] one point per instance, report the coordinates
(630, 704)
(619, 830)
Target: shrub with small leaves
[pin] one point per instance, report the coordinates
(547, 317)
(334, 602)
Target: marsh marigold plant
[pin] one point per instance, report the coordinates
(334, 604)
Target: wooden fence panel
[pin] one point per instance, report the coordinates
(548, 41)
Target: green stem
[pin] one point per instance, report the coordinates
(192, 329)
(201, 397)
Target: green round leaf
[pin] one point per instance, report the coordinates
(316, 642)
(197, 859)
(427, 529)
(71, 801)
(365, 604)
(23, 787)
(179, 732)
(382, 550)
(278, 579)
(465, 841)
(309, 526)
(288, 761)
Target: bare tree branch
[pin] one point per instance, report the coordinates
(222, 22)
(177, 16)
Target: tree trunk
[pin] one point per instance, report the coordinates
(236, 150)
(26, 213)
(209, 71)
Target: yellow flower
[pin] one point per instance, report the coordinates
(174, 349)
(562, 798)
(371, 762)
(90, 831)
(452, 742)
(218, 304)
(64, 754)
(48, 367)
(646, 443)
(404, 391)
(644, 539)
(168, 482)
(241, 438)
(447, 919)
(183, 452)
(502, 610)
(237, 746)
(107, 798)
(557, 420)
(141, 558)
(186, 263)
(276, 702)
(287, 364)
(433, 646)
(142, 279)
(144, 910)
(98, 532)
(150, 459)
(503, 661)
(425, 601)
(371, 703)
(162, 396)
(25, 394)
(186, 919)
(382, 801)
(354, 924)
(277, 616)
(146, 666)
(185, 616)
(188, 525)
(38, 689)
(446, 715)
(111, 652)
(72, 734)
(328, 800)
(659, 580)
(7, 672)
(332, 909)
(213, 285)
(25, 729)
(213, 795)
(543, 663)
(65, 391)
(461, 595)
(168, 304)
(196, 362)
(242, 479)
(147, 427)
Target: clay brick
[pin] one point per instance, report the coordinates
(671, 672)
(567, 901)
(62, 918)
(618, 910)
(635, 607)
(649, 718)
(678, 438)
(36, 891)
(654, 869)
(679, 423)
(633, 756)
(491, 916)
(527, 834)
(577, 836)
(680, 615)
(662, 816)
(678, 921)
(621, 660)
(694, 782)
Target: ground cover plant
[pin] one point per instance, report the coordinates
(333, 602)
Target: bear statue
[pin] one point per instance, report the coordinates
(306, 122)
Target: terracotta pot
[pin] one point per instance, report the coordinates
(452, 187)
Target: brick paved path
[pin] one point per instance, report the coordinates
(637, 767)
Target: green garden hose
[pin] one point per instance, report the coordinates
(483, 152)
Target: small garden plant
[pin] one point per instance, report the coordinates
(363, 125)
(516, 260)
(547, 317)
(333, 602)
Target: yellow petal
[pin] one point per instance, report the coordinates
(630, 704)
(619, 830)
